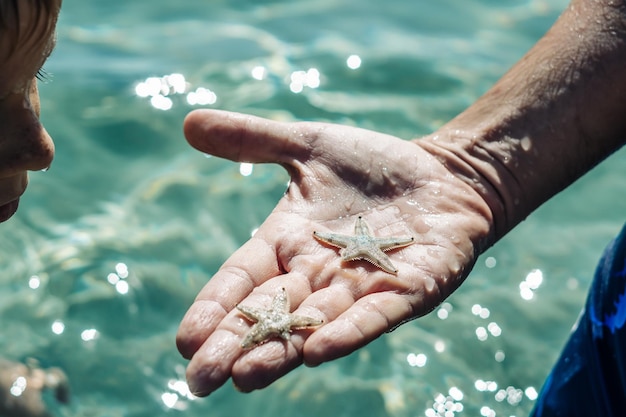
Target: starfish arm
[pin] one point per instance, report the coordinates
(354, 252)
(384, 263)
(252, 313)
(280, 303)
(361, 228)
(394, 242)
(381, 260)
(373, 255)
(302, 322)
(334, 239)
(257, 335)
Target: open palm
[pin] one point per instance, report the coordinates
(338, 173)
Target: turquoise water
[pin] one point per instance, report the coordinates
(111, 245)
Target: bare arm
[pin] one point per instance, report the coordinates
(557, 113)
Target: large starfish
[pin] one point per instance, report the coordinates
(275, 321)
(363, 245)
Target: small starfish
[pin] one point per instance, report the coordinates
(363, 245)
(275, 321)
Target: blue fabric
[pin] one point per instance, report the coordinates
(589, 378)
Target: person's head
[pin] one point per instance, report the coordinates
(27, 29)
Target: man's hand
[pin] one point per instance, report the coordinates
(337, 174)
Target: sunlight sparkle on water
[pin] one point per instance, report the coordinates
(181, 388)
(122, 287)
(160, 91)
(161, 86)
(118, 278)
(446, 405)
(480, 311)
(58, 327)
(169, 399)
(178, 390)
(18, 387)
(444, 310)
(246, 168)
(89, 334)
(113, 278)
(487, 412)
(482, 385)
(176, 82)
(440, 346)
(494, 329)
(301, 79)
(531, 393)
(418, 360)
(201, 97)
(148, 88)
(353, 62)
(121, 269)
(456, 393)
(511, 394)
(533, 280)
(161, 102)
(34, 282)
(259, 72)
(481, 333)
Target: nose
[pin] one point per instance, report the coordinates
(24, 143)
(35, 151)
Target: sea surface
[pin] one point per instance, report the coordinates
(113, 242)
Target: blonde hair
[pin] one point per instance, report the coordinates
(44, 16)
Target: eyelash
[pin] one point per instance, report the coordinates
(42, 75)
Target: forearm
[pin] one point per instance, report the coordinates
(557, 113)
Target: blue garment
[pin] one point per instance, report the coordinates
(589, 379)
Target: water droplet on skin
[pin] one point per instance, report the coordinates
(429, 284)
(455, 268)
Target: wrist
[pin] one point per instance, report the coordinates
(470, 159)
(555, 115)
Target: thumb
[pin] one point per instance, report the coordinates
(243, 138)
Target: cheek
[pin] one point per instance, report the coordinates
(13, 187)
